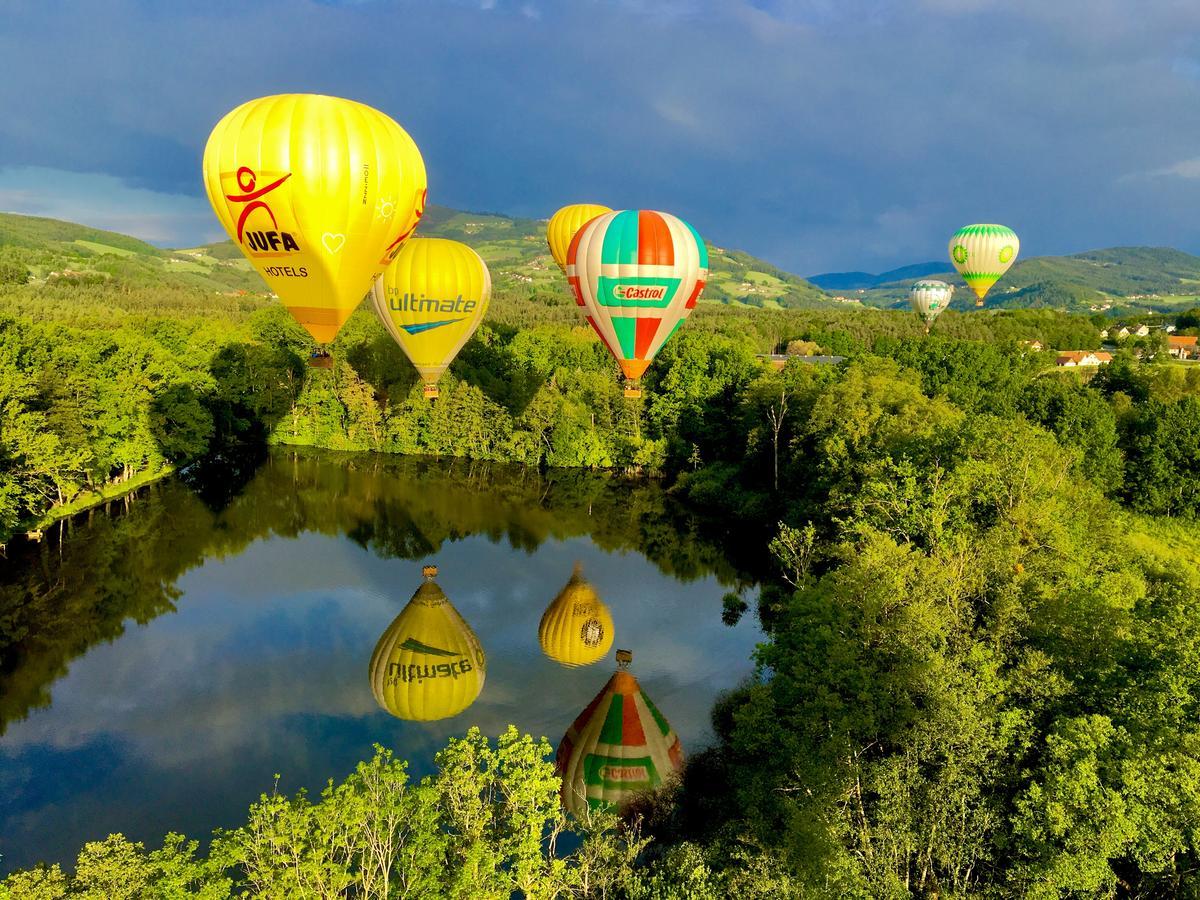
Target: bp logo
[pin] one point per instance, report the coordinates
(959, 254)
(1006, 253)
(591, 633)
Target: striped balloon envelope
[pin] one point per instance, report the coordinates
(637, 274)
(982, 254)
(619, 747)
(930, 299)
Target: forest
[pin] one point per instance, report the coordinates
(981, 670)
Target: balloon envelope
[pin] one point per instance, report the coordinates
(637, 274)
(319, 193)
(431, 299)
(576, 628)
(428, 664)
(564, 224)
(930, 299)
(982, 254)
(619, 747)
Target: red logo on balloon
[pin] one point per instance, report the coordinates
(263, 241)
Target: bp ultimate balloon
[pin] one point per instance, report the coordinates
(930, 299)
(428, 664)
(637, 274)
(319, 193)
(431, 299)
(619, 747)
(982, 254)
(564, 225)
(576, 628)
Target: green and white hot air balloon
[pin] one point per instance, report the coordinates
(929, 298)
(982, 254)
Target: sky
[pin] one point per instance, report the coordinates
(822, 135)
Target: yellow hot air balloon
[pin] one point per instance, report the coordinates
(428, 664)
(319, 193)
(577, 628)
(564, 224)
(431, 299)
(619, 747)
(982, 254)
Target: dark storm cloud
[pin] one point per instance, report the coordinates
(819, 134)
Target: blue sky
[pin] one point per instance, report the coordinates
(819, 134)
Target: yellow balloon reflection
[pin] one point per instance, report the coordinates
(428, 664)
(576, 628)
(619, 747)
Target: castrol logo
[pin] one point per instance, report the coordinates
(639, 292)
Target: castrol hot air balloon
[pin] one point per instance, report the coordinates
(982, 254)
(930, 299)
(637, 274)
(431, 299)
(619, 747)
(577, 628)
(564, 224)
(319, 193)
(428, 664)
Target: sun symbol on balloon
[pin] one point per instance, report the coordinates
(1006, 253)
(592, 632)
(959, 253)
(385, 207)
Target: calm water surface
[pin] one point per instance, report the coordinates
(164, 659)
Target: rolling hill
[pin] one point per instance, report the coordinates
(1118, 281)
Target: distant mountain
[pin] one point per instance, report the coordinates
(1119, 280)
(852, 281)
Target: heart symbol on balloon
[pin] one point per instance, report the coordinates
(333, 242)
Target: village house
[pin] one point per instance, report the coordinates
(1032, 345)
(1183, 346)
(1072, 358)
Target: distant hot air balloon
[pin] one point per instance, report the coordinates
(637, 274)
(619, 747)
(319, 193)
(577, 628)
(929, 299)
(431, 299)
(982, 254)
(564, 224)
(428, 664)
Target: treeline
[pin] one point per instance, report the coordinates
(99, 385)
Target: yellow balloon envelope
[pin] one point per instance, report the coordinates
(319, 193)
(431, 299)
(564, 224)
(982, 254)
(428, 664)
(577, 628)
(619, 747)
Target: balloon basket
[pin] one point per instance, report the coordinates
(431, 392)
(320, 361)
(633, 392)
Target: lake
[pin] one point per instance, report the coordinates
(162, 658)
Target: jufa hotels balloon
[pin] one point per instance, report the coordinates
(319, 193)
(428, 664)
(431, 299)
(576, 628)
(930, 299)
(982, 254)
(637, 274)
(565, 223)
(619, 747)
